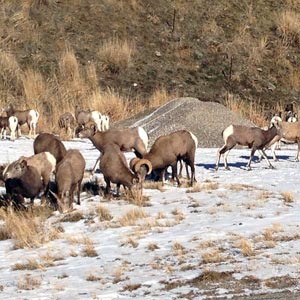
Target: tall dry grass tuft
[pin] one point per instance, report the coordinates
(26, 229)
(116, 55)
(288, 25)
(68, 66)
(253, 111)
(132, 216)
(109, 103)
(10, 72)
(159, 97)
(34, 87)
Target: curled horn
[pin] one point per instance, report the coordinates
(142, 162)
(133, 162)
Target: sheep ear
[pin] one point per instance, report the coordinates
(23, 163)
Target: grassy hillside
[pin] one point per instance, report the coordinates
(120, 56)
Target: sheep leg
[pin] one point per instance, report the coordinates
(4, 133)
(265, 156)
(250, 159)
(224, 150)
(297, 154)
(107, 189)
(174, 171)
(1, 133)
(225, 160)
(78, 192)
(273, 147)
(118, 189)
(95, 166)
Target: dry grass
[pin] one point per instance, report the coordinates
(31, 264)
(28, 282)
(72, 217)
(27, 230)
(118, 275)
(116, 55)
(160, 97)
(152, 246)
(212, 256)
(92, 277)
(89, 249)
(132, 216)
(253, 111)
(103, 213)
(136, 197)
(288, 25)
(288, 197)
(246, 247)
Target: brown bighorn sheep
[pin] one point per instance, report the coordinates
(29, 116)
(85, 116)
(167, 150)
(47, 142)
(28, 184)
(289, 131)
(68, 176)
(115, 169)
(67, 121)
(11, 123)
(127, 139)
(43, 162)
(253, 137)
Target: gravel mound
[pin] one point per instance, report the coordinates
(206, 120)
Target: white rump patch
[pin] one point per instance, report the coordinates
(227, 132)
(143, 135)
(194, 138)
(51, 159)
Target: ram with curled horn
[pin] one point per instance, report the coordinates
(141, 167)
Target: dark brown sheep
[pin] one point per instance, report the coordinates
(47, 142)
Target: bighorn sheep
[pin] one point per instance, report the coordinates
(28, 184)
(43, 162)
(67, 121)
(115, 169)
(85, 116)
(68, 176)
(29, 116)
(253, 137)
(127, 139)
(11, 123)
(274, 144)
(289, 131)
(47, 142)
(167, 150)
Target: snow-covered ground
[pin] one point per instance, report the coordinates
(235, 233)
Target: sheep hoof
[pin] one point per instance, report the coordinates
(227, 168)
(248, 168)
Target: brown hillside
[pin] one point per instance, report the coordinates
(61, 52)
(206, 120)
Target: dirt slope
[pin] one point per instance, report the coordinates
(205, 119)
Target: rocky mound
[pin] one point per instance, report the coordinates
(206, 120)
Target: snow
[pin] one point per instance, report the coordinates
(192, 230)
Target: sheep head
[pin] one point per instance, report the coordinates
(141, 167)
(87, 130)
(63, 201)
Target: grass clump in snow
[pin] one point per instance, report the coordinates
(288, 197)
(130, 218)
(26, 229)
(103, 213)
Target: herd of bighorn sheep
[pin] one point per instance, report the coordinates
(55, 173)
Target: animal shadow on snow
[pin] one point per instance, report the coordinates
(280, 157)
(230, 165)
